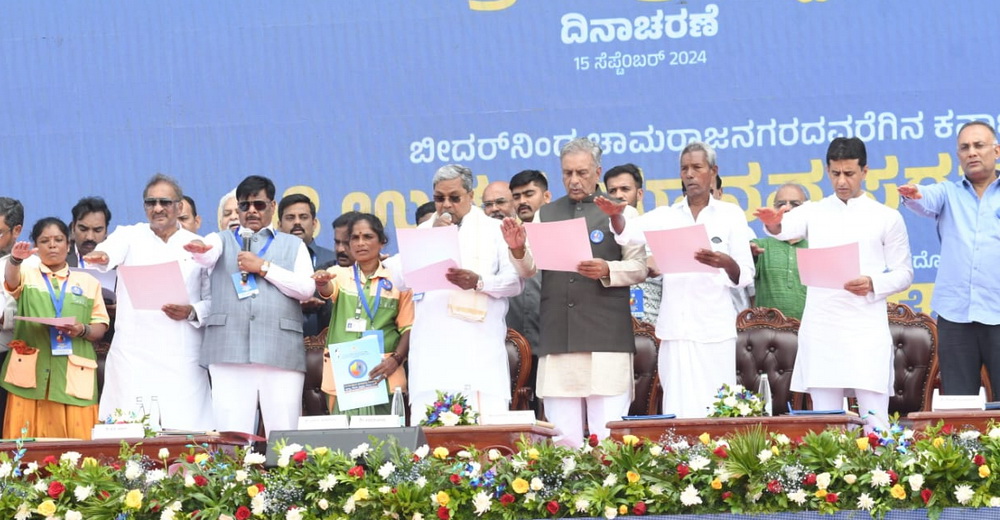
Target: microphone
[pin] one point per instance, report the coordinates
(246, 235)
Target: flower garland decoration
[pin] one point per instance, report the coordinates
(450, 410)
(736, 402)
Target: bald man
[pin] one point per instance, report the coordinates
(498, 202)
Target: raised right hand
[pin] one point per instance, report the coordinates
(610, 207)
(23, 250)
(770, 216)
(96, 258)
(197, 247)
(323, 278)
(910, 191)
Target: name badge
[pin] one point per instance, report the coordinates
(62, 345)
(635, 302)
(356, 325)
(245, 289)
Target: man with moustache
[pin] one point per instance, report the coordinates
(342, 240)
(188, 216)
(530, 191)
(253, 335)
(156, 353)
(297, 216)
(498, 202)
(89, 227)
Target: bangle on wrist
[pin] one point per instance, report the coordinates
(16, 261)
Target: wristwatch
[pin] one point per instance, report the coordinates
(264, 267)
(479, 284)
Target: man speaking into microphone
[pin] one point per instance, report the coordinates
(253, 334)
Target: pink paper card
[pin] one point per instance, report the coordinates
(55, 322)
(829, 267)
(431, 277)
(674, 249)
(560, 245)
(150, 287)
(422, 247)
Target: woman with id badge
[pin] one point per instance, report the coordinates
(366, 302)
(51, 370)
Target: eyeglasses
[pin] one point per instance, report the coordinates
(487, 204)
(792, 203)
(455, 199)
(164, 203)
(259, 205)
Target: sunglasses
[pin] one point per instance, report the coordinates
(792, 203)
(259, 205)
(455, 199)
(164, 203)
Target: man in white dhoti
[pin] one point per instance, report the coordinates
(697, 321)
(457, 340)
(155, 353)
(844, 342)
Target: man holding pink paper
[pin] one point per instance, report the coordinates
(844, 343)
(697, 321)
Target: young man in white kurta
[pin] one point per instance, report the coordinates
(844, 339)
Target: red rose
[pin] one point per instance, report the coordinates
(831, 497)
(507, 499)
(947, 429)
(592, 440)
(438, 404)
(190, 459)
(774, 487)
(356, 472)
(683, 470)
(726, 495)
(456, 409)
(299, 456)
(56, 488)
(893, 477)
(443, 513)
(810, 480)
(455, 479)
(260, 487)
(552, 506)
(873, 439)
(51, 459)
(200, 480)
(979, 460)
(926, 495)
(639, 508)
(242, 513)
(721, 452)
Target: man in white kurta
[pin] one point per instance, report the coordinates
(844, 342)
(697, 321)
(155, 353)
(457, 339)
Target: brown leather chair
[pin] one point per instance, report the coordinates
(314, 400)
(767, 342)
(519, 364)
(914, 355)
(647, 393)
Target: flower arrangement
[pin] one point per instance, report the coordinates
(753, 471)
(450, 410)
(736, 402)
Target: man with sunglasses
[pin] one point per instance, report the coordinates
(156, 353)
(253, 334)
(777, 278)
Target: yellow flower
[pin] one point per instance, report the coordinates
(252, 491)
(897, 491)
(937, 442)
(862, 443)
(319, 452)
(630, 440)
(520, 485)
(984, 471)
(775, 450)
(705, 438)
(820, 493)
(362, 494)
(623, 509)
(89, 462)
(47, 508)
(443, 498)
(716, 484)
(441, 452)
(632, 477)
(533, 454)
(133, 499)
(201, 457)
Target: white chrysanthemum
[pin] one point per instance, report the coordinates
(964, 494)
(916, 481)
(74, 515)
(610, 512)
(568, 465)
(449, 418)
(698, 463)
(257, 504)
(764, 455)
(283, 462)
(880, 478)
(656, 489)
(252, 458)
(463, 454)
(168, 514)
(132, 470)
(907, 434)
(241, 475)
(422, 451)
(536, 484)
(994, 433)
(782, 439)
(689, 496)
(6, 469)
(865, 502)
(798, 496)
(494, 454)
(421, 481)
(156, 475)
(610, 480)
(482, 502)
(349, 505)
(474, 468)
(385, 469)
(327, 482)
(189, 480)
(71, 456)
(744, 409)
(680, 445)
(32, 467)
(23, 512)
(723, 474)
(41, 486)
(839, 461)
(970, 435)
(417, 516)
(293, 514)
(823, 480)
(82, 493)
(290, 449)
(529, 497)
(323, 504)
(360, 451)
(729, 401)
(163, 453)
(655, 450)
(518, 464)
(581, 505)
(850, 478)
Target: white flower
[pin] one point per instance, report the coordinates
(839, 461)
(880, 478)
(422, 451)
(283, 462)
(156, 475)
(964, 494)
(655, 450)
(581, 505)
(167, 514)
(293, 514)
(698, 463)
(41, 486)
(421, 481)
(680, 445)
(729, 401)
(782, 439)
(823, 480)
(907, 434)
(6, 469)
(995, 432)
(349, 505)
(689, 496)
(327, 482)
(241, 475)
(251, 458)
(360, 451)
(164, 453)
(798, 496)
(738, 388)
(536, 484)
(656, 489)
(474, 468)
(916, 481)
(72, 457)
(417, 516)
(82, 493)
(744, 409)
(994, 501)
(865, 502)
(970, 435)
(290, 450)
(32, 467)
(610, 480)
(132, 470)
(188, 480)
(493, 454)
(568, 465)
(257, 504)
(850, 478)
(518, 464)
(764, 455)
(610, 512)
(463, 454)
(723, 474)
(482, 502)
(384, 470)
(23, 512)
(323, 504)
(449, 418)
(529, 496)
(73, 515)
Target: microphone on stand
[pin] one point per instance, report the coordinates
(246, 235)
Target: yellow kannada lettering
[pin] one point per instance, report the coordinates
(876, 176)
(660, 187)
(490, 5)
(747, 183)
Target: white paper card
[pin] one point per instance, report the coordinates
(118, 431)
(322, 422)
(375, 421)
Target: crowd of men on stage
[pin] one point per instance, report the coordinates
(578, 324)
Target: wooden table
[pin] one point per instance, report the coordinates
(106, 450)
(977, 419)
(503, 438)
(792, 426)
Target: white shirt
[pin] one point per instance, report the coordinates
(844, 339)
(698, 306)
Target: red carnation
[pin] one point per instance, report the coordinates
(873, 439)
(893, 477)
(592, 440)
(51, 459)
(56, 488)
(443, 513)
(552, 506)
(507, 499)
(831, 497)
(721, 452)
(299, 456)
(356, 472)
(726, 495)
(242, 513)
(455, 479)
(457, 409)
(260, 487)
(200, 480)
(810, 480)
(683, 470)
(979, 460)
(639, 508)
(926, 495)
(774, 487)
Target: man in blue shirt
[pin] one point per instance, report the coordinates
(967, 290)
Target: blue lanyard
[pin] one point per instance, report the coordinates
(239, 240)
(364, 296)
(57, 303)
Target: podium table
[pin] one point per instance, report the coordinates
(108, 449)
(978, 419)
(791, 425)
(503, 438)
